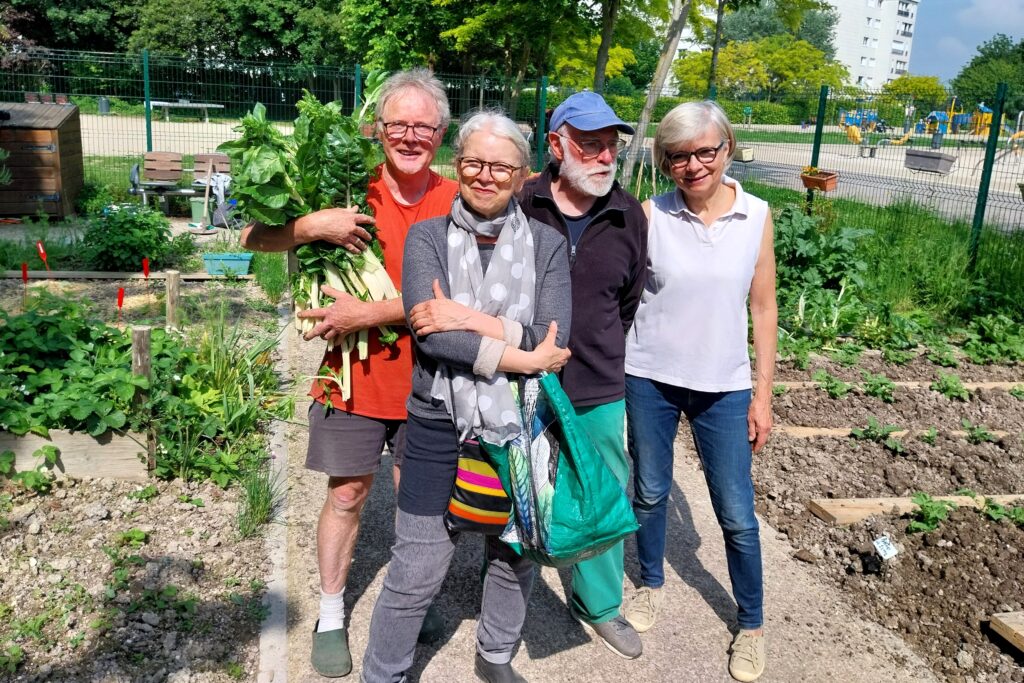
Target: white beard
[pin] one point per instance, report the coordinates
(579, 174)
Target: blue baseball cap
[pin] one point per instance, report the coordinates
(587, 111)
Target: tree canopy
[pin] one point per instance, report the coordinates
(999, 60)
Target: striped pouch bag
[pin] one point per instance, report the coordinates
(479, 503)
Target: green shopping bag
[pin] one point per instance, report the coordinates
(567, 504)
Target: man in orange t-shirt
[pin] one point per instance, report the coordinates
(346, 438)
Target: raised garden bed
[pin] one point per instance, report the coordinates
(929, 161)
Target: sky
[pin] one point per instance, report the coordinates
(948, 32)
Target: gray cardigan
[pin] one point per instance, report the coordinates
(426, 259)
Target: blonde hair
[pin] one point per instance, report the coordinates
(685, 123)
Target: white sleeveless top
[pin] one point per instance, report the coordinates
(691, 328)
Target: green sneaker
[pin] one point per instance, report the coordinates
(330, 656)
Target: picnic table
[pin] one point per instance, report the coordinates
(204, 106)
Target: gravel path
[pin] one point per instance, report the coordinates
(812, 634)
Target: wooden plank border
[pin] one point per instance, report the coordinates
(100, 275)
(1010, 625)
(801, 432)
(842, 511)
(117, 456)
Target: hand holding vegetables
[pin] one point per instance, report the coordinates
(344, 316)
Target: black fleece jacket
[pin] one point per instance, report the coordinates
(608, 270)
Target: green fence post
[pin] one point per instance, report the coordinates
(986, 175)
(713, 92)
(359, 88)
(145, 93)
(542, 107)
(819, 126)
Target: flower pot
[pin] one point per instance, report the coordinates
(744, 154)
(227, 264)
(825, 181)
(929, 161)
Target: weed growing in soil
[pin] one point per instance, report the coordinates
(38, 480)
(1018, 392)
(929, 436)
(847, 354)
(950, 386)
(879, 386)
(145, 494)
(976, 434)
(941, 353)
(929, 513)
(832, 385)
(10, 658)
(778, 389)
(271, 273)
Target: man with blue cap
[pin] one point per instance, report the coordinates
(606, 230)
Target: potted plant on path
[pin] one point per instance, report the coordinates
(815, 179)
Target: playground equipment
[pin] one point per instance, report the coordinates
(981, 121)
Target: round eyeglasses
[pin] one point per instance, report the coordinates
(500, 171)
(396, 130)
(704, 155)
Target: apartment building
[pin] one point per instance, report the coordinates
(874, 37)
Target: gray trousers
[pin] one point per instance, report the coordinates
(419, 562)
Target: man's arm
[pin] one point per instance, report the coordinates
(343, 227)
(348, 314)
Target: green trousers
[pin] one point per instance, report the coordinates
(597, 582)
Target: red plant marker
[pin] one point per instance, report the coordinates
(24, 272)
(120, 303)
(42, 254)
(24, 286)
(145, 266)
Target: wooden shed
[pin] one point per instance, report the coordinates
(45, 145)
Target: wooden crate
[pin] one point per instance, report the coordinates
(45, 145)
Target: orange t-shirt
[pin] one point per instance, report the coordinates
(381, 383)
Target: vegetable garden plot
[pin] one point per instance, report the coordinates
(919, 368)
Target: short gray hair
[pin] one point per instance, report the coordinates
(497, 123)
(685, 123)
(416, 79)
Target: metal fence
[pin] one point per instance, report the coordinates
(873, 141)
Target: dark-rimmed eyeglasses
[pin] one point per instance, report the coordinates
(705, 155)
(500, 171)
(591, 149)
(396, 130)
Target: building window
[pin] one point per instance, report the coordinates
(867, 41)
(873, 23)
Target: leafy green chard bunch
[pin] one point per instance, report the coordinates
(325, 162)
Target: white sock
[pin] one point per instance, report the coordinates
(332, 611)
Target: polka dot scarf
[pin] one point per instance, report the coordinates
(486, 408)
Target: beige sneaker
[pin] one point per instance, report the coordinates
(643, 608)
(746, 661)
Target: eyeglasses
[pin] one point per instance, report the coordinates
(396, 130)
(590, 149)
(705, 155)
(500, 171)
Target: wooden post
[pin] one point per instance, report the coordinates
(173, 281)
(142, 366)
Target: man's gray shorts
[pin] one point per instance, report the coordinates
(345, 445)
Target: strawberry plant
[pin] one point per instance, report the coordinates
(994, 339)
(929, 436)
(950, 386)
(847, 354)
(39, 479)
(929, 513)
(1018, 392)
(897, 356)
(832, 385)
(879, 433)
(976, 434)
(778, 389)
(941, 353)
(879, 386)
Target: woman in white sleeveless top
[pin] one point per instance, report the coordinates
(710, 256)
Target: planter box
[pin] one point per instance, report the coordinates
(227, 264)
(744, 154)
(825, 181)
(109, 455)
(928, 161)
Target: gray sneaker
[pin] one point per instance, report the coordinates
(617, 634)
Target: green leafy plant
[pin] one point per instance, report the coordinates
(994, 338)
(133, 538)
(832, 385)
(941, 353)
(929, 513)
(145, 494)
(897, 356)
(1018, 392)
(879, 386)
(197, 502)
(929, 436)
(120, 240)
(879, 433)
(976, 434)
(40, 479)
(263, 494)
(11, 658)
(847, 354)
(779, 389)
(950, 386)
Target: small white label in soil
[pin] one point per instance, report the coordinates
(885, 547)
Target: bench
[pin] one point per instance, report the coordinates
(204, 106)
(160, 175)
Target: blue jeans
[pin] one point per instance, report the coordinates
(719, 424)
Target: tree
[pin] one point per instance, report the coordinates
(76, 24)
(679, 14)
(609, 15)
(196, 29)
(740, 71)
(927, 92)
(999, 60)
(646, 54)
(576, 67)
(756, 21)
